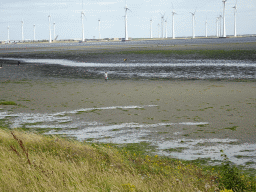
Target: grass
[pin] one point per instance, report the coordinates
(33, 162)
(232, 128)
(7, 103)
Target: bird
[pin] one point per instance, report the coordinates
(125, 59)
(18, 62)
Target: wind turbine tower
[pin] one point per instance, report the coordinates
(82, 21)
(217, 27)
(22, 34)
(126, 31)
(206, 28)
(235, 20)
(54, 31)
(224, 23)
(8, 37)
(173, 34)
(166, 28)
(158, 25)
(50, 34)
(151, 28)
(220, 24)
(99, 28)
(34, 32)
(193, 24)
(162, 25)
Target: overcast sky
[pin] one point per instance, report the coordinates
(67, 16)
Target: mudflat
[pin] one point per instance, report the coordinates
(228, 108)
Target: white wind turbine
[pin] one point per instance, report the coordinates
(206, 28)
(220, 25)
(50, 34)
(162, 24)
(158, 26)
(54, 31)
(217, 27)
(8, 34)
(34, 26)
(235, 10)
(193, 24)
(151, 28)
(99, 28)
(22, 34)
(82, 21)
(166, 28)
(224, 23)
(173, 13)
(126, 30)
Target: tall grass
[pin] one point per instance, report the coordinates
(32, 162)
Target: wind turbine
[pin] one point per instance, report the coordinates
(34, 32)
(166, 28)
(126, 31)
(82, 21)
(220, 24)
(54, 31)
(151, 28)
(235, 19)
(193, 24)
(158, 25)
(217, 27)
(8, 37)
(22, 35)
(206, 27)
(162, 24)
(173, 34)
(99, 28)
(50, 34)
(224, 23)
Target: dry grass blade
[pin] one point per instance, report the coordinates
(20, 142)
(13, 149)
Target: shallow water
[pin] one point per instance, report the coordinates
(174, 69)
(70, 124)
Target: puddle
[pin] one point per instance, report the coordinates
(238, 154)
(56, 118)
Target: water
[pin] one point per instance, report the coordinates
(67, 122)
(172, 69)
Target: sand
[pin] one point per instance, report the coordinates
(228, 107)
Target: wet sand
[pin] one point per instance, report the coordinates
(228, 107)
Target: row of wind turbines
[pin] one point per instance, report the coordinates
(34, 30)
(163, 25)
(218, 24)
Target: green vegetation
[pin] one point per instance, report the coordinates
(209, 54)
(32, 162)
(232, 128)
(7, 103)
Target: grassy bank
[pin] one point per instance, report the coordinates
(32, 162)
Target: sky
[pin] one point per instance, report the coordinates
(67, 17)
